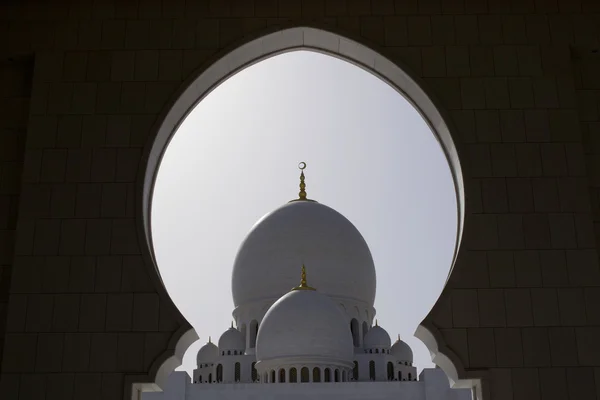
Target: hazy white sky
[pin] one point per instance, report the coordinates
(370, 156)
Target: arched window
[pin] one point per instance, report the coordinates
(293, 375)
(282, 375)
(254, 372)
(327, 375)
(237, 371)
(222, 353)
(272, 376)
(228, 352)
(399, 375)
(343, 376)
(372, 370)
(235, 352)
(355, 370)
(199, 378)
(409, 376)
(355, 332)
(304, 375)
(376, 351)
(219, 373)
(336, 375)
(209, 378)
(316, 374)
(390, 371)
(252, 331)
(243, 330)
(371, 351)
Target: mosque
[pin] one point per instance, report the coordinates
(303, 288)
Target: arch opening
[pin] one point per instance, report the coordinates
(355, 332)
(312, 39)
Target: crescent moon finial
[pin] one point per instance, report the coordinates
(302, 194)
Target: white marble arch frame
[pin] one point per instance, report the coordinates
(320, 40)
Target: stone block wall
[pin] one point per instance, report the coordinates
(85, 312)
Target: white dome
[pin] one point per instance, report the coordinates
(402, 351)
(207, 354)
(232, 339)
(377, 337)
(304, 325)
(303, 232)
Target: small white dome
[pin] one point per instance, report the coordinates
(232, 339)
(266, 265)
(402, 351)
(304, 325)
(207, 354)
(377, 338)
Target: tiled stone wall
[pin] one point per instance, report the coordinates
(15, 93)
(85, 311)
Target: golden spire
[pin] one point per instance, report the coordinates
(303, 285)
(376, 324)
(231, 324)
(302, 194)
(209, 340)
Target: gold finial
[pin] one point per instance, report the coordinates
(303, 284)
(209, 340)
(302, 194)
(376, 324)
(231, 324)
(398, 337)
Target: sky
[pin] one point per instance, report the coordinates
(369, 155)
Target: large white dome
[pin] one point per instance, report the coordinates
(303, 232)
(304, 325)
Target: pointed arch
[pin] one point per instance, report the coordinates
(219, 373)
(304, 375)
(354, 329)
(252, 332)
(237, 372)
(256, 50)
(316, 374)
(254, 372)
